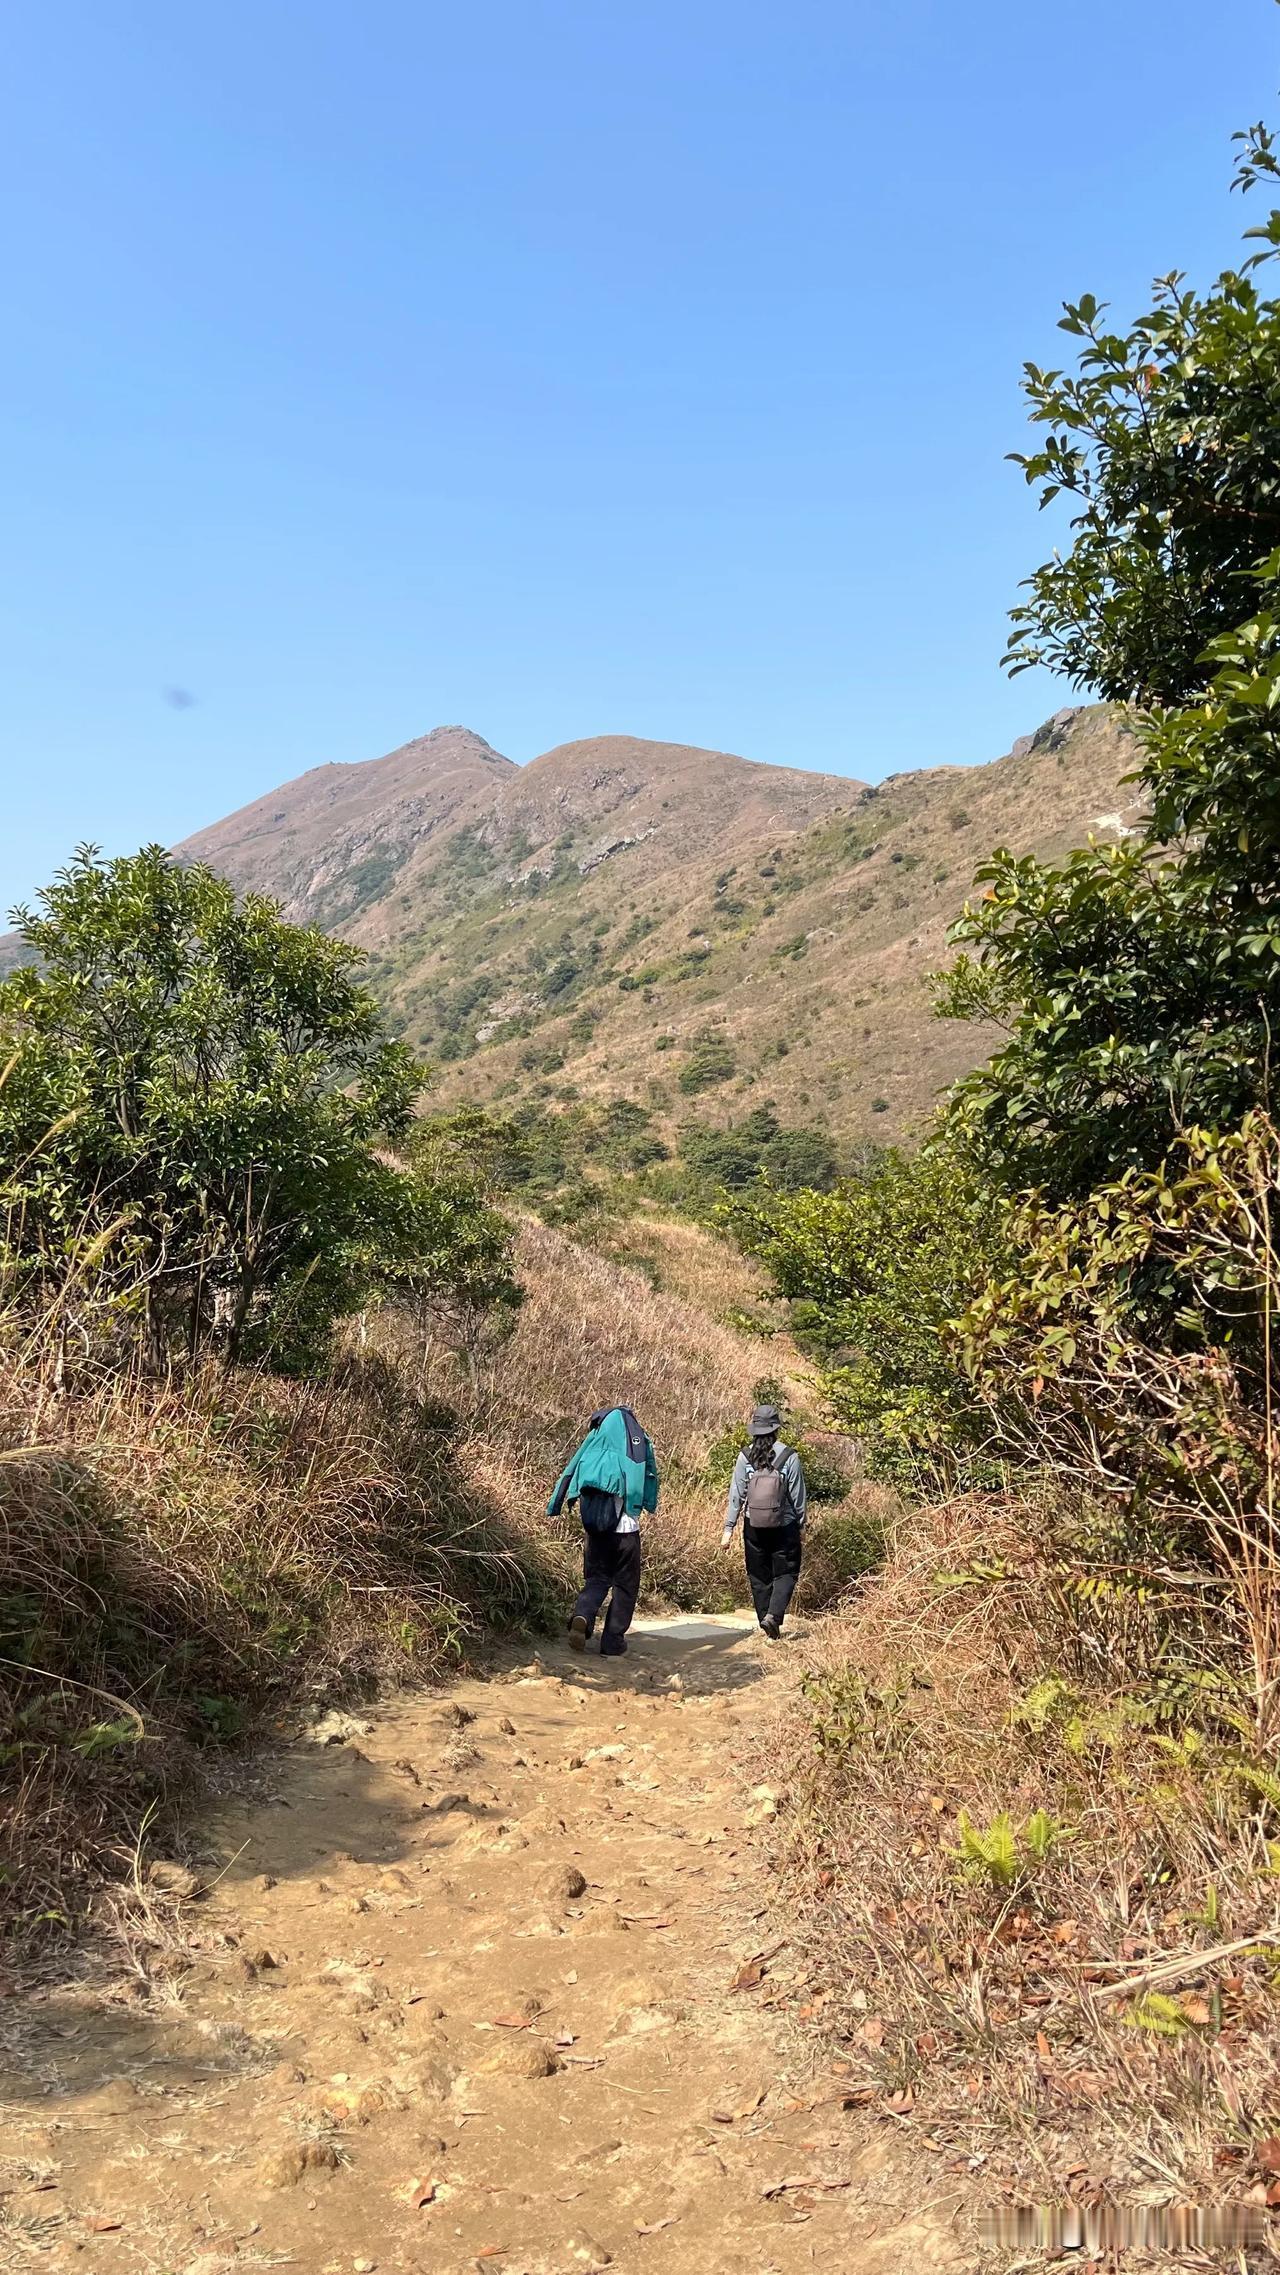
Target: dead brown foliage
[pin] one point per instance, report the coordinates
(1100, 2019)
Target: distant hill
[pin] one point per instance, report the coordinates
(587, 922)
(681, 927)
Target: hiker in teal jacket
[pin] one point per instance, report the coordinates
(613, 1478)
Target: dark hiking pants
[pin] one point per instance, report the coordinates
(610, 1562)
(773, 1566)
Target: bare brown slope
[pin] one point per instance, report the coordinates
(584, 804)
(332, 840)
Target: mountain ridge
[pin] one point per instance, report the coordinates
(685, 928)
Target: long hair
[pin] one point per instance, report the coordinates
(760, 1450)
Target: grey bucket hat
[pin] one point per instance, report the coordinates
(764, 1420)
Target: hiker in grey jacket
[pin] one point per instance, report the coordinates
(768, 1492)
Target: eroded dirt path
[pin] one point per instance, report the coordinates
(464, 2000)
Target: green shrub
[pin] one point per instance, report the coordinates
(873, 1272)
(709, 1062)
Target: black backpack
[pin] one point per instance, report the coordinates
(600, 1512)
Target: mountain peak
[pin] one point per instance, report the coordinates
(328, 842)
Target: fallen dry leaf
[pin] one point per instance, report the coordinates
(513, 2022)
(902, 2103)
(749, 1976)
(1043, 2047)
(652, 2227)
(418, 2193)
(102, 2224)
(1196, 2009)
(872, 2031)
(1268, 2153)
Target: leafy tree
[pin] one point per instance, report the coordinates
(493, 1151)
(790, 1159)
(1167, 439)
(194, 1102)
(624, 1136)
(1140, 984)
(874, 1271)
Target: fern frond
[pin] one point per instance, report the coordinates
(1152, 2011)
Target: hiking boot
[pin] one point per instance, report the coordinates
(578, 1632)
(771, 1627)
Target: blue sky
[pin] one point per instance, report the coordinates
(556, 366)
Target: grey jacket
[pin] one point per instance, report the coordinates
(788, 1463)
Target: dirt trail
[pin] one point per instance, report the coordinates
(485, 1946)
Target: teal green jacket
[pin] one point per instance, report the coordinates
(605, 1461)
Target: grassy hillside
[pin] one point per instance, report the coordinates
(636, 920)
(771, 965)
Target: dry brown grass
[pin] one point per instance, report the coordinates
(179, 1560)
(687, 1261)
(1105, 2025)
(593, 1332)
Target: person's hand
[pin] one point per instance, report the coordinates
(726, 1539)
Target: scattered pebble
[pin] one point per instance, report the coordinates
(519, 2056)
(288, 2166)
(172, 1879)
(587, 2251)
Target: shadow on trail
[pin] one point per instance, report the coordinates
(82, 2064)
(706, 1654)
